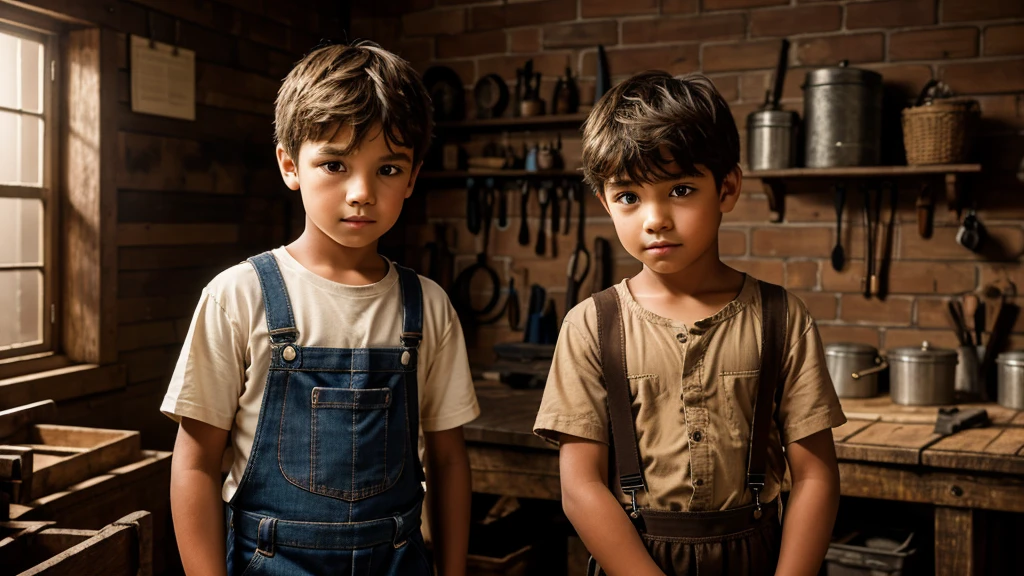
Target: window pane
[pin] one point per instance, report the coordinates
(21, 303)
(21, 231)
(31, 76)
(31, 151)
(9, 145)
(8, 71)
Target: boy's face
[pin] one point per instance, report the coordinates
(352, 198)
(670, 225)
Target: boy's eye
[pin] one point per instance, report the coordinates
(332, 167)
(680, 191)
(390, 170)
(627, 198)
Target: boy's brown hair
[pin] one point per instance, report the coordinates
(644, 123)
(360, 85)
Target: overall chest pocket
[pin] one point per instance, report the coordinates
(346, 443)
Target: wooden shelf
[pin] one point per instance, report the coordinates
(773, 181)
(516, 122)
(454, 174)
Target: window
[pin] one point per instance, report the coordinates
(28, 200)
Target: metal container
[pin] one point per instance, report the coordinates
(771, 139)
(968, 377)
(922, 375)
(842, 117)
(854, 369)
(1011, 379)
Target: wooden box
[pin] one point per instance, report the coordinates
(123, 548)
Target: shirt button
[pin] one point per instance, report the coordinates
(681, 337)
(698, 482)
(697, 436)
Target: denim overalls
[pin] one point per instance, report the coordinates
(333, 482)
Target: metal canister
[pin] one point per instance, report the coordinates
(922, 376)
(771, 139)
(854, 369)
(842, 117)
(1011, 379)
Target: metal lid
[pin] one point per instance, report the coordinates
(923, 353)
(760, 118)
(841, 74)
(850, 349)
(1011, 358)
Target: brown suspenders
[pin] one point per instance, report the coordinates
(623, 431)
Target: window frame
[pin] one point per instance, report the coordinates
(49, 194)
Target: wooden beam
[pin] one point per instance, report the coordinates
(959, 542)
(61, 384)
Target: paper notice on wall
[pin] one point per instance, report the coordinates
(163, 79)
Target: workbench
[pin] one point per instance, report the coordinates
(886, 452)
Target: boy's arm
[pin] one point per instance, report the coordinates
(196, 505)
(448, 499)
(595, 513)
(812, 506)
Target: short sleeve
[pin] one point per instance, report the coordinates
(449, 398)
(210, 373)
(574, 401)
(809, 402)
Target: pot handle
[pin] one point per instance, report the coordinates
(870, 371)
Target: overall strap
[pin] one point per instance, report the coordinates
(612, 343)
(774, 313)
(412, 334)
(280, 321)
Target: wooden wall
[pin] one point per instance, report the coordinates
(193, 197)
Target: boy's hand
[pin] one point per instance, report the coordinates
(812, 506)
(449, 493)
(196, 505)
(595, 513)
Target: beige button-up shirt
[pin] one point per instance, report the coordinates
(693, 391)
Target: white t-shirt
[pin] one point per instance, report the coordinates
(222, 371)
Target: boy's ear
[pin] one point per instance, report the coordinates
(412, 178)
(729, 194)
(289, 169)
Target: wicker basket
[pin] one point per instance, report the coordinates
(940, 132)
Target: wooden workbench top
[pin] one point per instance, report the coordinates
(878, 431)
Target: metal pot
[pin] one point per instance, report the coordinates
(922, 376)
(771, 139)
(842, 117)
(854, 369)
(1011, 379)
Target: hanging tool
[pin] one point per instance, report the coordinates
(956, 315)
(512, 305)
(885, 261)
(472, 206)
(576, 270)
(838, 256)
(603, 82)
(868, 244)
(979, 322)
(556, 194)
(502, 200)
(442, 260)
(602, 276)
(1006, 318)
(463, 282)
(569, 199)
(544, 198)
(534, 311)
(524, 204)
(925, 205)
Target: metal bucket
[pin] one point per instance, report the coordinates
(842, 117)
(1011, 379)
(854, 369)
(771, 139)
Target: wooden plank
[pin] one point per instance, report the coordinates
(146, 162)
(959, 542)
(506, 417)
(140, 309)
(108, 449)
(109, 553)
(880, 171)
(165, 207)
(974, 450)
(175, 234)
(20, 418)
(148, 334)
(177, 282)
(1010, 441)
(122, 16)
(33, 20)
(136, 258)
(61, 384)
(882, 408)
(887, 442)
(851, 428)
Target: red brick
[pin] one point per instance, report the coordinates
(830, 50)
(857, 309)
(1006, 242)
(471, 44)
(890, 14)
(749, 208)
(1001, 40)
(802, 274)
(711, 5)
(753, 86)
(801, 20)
(964, 10)
(678, 6)
(940, 44)
(832, 334)
(434, 22)
(418, 51)
(742, 56)
(524, 40)
(934, 313)
(581, 34)
(732, 242)
(907, 337)
(821, 305)
(705, 27)
(792, 241)
(768, 270)
(522, 14)
(548, 64)
(672, 59)
(907, 278)
(1002, 273)
(602, 8)
(905, 79)
(727, 86)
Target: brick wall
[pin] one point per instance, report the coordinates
(974, 45)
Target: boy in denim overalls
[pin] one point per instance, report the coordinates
(673, 394)
(323, 360)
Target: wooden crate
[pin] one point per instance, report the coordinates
(122, 548)
(40, 459)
